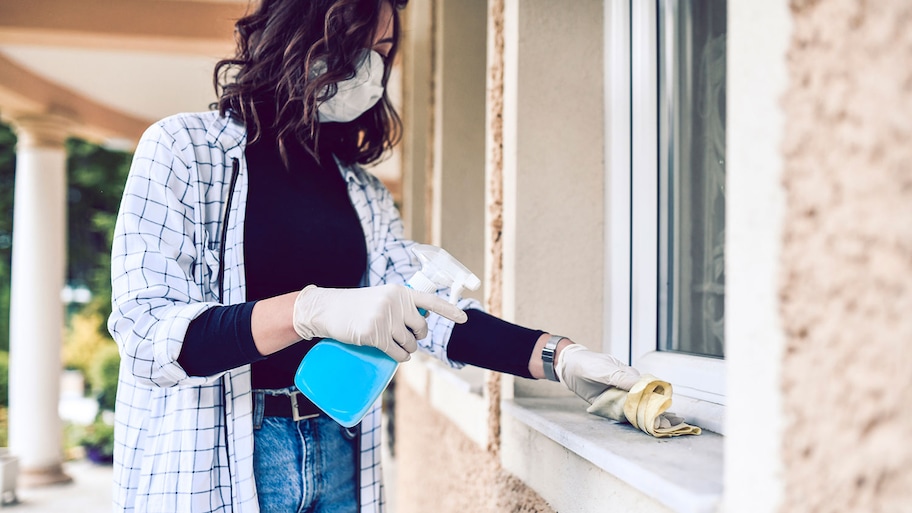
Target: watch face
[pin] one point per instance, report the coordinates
(548, 350)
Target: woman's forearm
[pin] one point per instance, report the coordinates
(271, 323)
(536, 365)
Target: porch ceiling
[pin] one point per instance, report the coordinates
(113, 67)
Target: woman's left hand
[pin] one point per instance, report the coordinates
(588, 373)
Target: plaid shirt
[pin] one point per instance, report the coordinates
(185, 443)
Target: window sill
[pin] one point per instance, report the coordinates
(684, 473)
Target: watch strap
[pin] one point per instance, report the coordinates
(548, 357)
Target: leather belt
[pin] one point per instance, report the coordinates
(294, 406)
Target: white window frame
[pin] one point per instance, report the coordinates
(632, 140)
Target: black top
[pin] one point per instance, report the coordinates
(302, 229)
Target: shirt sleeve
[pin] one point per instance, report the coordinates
(153, 260)
(491, 343)
(219, 339)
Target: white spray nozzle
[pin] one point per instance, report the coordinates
(442, 270)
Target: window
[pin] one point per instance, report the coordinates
(665, 93)
(692, 176)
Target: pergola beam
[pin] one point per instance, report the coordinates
(189, 26)
(22, 91)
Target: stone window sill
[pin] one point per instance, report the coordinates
(682, 473)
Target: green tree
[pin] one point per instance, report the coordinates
(95, 178)
(7, 167)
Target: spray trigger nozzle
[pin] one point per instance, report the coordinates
(442, 270)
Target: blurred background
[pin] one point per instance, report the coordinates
(719, 193)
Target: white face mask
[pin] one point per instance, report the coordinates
(358, 94)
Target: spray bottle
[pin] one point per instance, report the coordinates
(345, 380)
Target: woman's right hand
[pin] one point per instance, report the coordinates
(385, 317)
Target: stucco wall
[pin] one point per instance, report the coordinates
(847, 264)
(444, 471)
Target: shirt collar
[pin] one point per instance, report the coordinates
(351, 173)
(226, 133)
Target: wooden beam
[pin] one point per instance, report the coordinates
(24, 92)
(164, 25)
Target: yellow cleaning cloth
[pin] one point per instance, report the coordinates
(644, 408)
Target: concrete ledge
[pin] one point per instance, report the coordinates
(456, 393)
(683, 474)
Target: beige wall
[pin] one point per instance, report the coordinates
(458, 172)
(552, 174)
(847, 259)
(444, 471)
(417, 21)
(444, 461)
(553, 258)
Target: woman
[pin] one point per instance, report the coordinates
(247, 234)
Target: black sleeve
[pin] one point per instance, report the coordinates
(491, 343)
(218, 340)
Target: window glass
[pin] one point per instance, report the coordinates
(691, 118)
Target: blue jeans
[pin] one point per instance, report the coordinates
(304, 466)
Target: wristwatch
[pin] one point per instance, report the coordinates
(548, 357)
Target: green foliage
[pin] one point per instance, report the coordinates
(85, 340)
(89, 349)
(4, 378)
(96, 178)
(103, 376)
(97, 435)
(7, 168)
(4, 426)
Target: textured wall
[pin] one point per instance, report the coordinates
(442, 471)
(847, 282)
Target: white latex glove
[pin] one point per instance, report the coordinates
(588, 373)
(385, 317)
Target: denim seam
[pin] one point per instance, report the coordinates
(259, 408)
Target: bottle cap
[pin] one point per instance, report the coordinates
(421, 283)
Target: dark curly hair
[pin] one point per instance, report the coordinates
(277, 47)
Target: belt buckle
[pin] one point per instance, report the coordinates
(295, 414)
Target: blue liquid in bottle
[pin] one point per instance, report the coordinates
(344, 380)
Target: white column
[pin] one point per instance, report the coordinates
(36, 311)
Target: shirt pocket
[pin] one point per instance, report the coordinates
(211, 266)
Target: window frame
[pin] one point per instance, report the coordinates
(632, 288)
